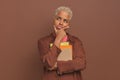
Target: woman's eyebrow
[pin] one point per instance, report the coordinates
(66, 20)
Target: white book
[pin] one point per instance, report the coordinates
(66, 53)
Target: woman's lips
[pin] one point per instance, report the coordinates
(59, 27)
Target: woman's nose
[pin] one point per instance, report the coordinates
(61, 22)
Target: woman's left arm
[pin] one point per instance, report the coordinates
(78, 62)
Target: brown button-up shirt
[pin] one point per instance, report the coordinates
(66, 70)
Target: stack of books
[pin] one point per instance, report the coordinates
(66, 53)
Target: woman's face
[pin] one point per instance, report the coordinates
(62, 20)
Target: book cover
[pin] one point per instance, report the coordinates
(66, 53)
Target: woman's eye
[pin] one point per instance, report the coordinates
(58, 18)
(65, 21)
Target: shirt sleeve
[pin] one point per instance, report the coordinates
(78, 62)
(48, 55)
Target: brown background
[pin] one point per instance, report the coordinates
(23, 22)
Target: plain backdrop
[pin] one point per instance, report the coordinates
(23, 22)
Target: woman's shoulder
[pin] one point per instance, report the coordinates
(74, 38)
